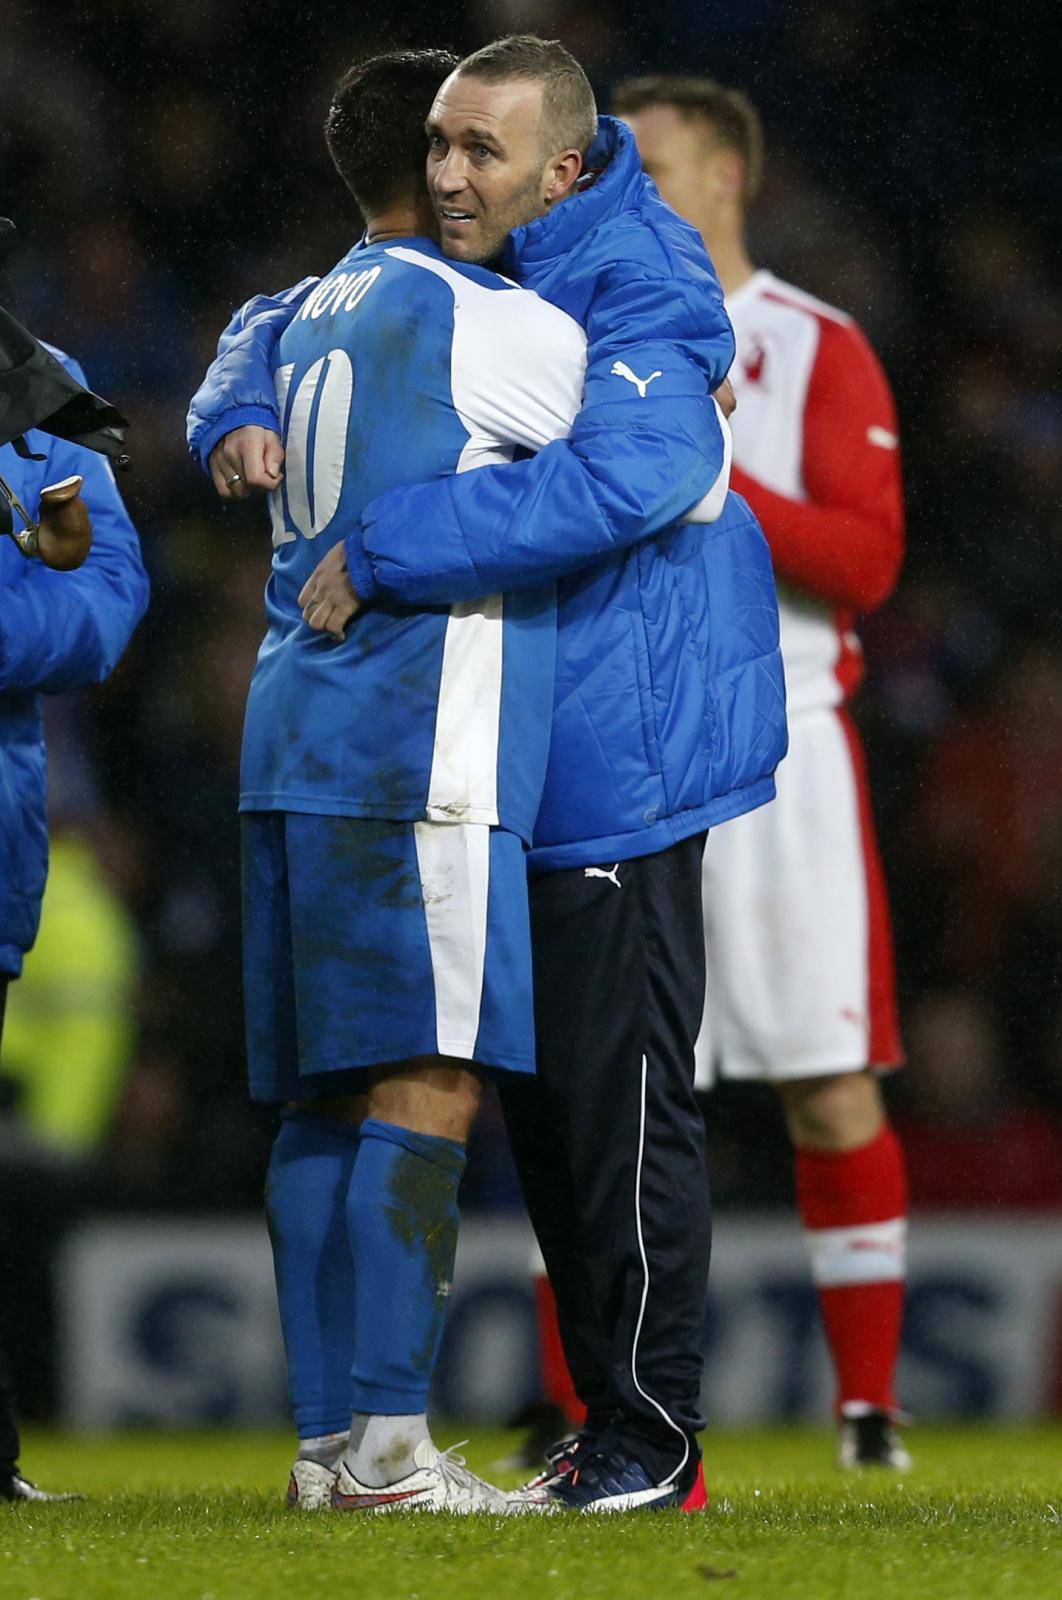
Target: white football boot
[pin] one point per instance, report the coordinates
(440, 1482)
(310, 1486)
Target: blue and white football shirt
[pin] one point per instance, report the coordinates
(403, 366)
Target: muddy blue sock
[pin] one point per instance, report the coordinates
(402, 1219)
(306, 1195)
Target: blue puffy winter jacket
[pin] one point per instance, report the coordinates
(58, 631)
(670, 708)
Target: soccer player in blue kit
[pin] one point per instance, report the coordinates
(389, 784)
(668, 714)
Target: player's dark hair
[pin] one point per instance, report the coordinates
(569, 111)
(375, 125)
(729, 114)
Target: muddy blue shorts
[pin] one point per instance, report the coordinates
(369, 942)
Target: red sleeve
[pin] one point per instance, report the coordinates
(843, 543)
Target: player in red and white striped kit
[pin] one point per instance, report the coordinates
(800, 964)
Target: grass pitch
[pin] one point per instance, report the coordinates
(202, 1518)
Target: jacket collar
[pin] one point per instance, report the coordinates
(613, 192)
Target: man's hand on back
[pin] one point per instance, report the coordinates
(724, 397)
(328, 598)
(247, 458)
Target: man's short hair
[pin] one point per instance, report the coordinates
(569, 111)
(375, 125)
(729, 114)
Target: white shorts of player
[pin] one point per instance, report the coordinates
(800, 967)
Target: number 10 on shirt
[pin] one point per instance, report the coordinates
(316, 420)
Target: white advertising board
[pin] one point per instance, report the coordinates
(174, 1323)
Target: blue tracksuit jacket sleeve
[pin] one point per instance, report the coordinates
(62, 630)
(238, 387)
(647, 446)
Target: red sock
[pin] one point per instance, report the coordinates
(556, 1379)
(854, 1208)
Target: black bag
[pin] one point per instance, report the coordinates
(36, 391)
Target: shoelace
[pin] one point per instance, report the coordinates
(559, 1462)
(564, 1448)
(456, 1473)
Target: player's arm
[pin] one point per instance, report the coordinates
(844, 543)
(637, 460)
(237, 390)
(62, 630)
(517, 370)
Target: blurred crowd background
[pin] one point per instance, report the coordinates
(163, 160)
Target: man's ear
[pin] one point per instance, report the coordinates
(562, 175)
(727, 173)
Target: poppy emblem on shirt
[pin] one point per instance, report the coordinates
(753, 362)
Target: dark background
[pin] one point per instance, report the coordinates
(163, 161)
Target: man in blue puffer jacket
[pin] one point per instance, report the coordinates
(669, 709)
(58, 631)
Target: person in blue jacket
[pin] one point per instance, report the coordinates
(668, 713)
(58, 631)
